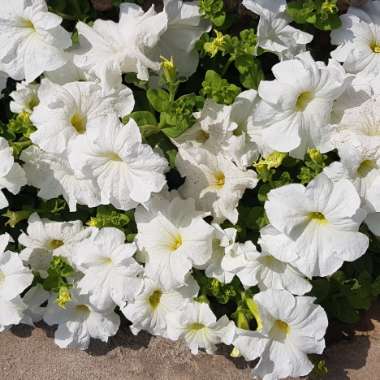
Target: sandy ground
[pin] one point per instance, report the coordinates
(31, 354)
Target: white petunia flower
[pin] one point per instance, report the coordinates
(198, 326)
(262, 269)
(296, 106)
(25, 97)
(214, 181)
(74, 109)
(150, 308)
(69, 72)
(111, 274)
(126, 170)
(317, 226)
(274, 32)
(45, 238)
(53, 176)
(111, 49)
(136, 42)
(175, 238)
(358, 90)
(14, 276)
(360, 165)
(31, 39)
(184, 28)
(12, 312)
(360, 124)
(14, 279)
(358, 39)
(33, 300)
(12, 175)
(289, 328)
(223, 240)
(221, 128)
(80, 321)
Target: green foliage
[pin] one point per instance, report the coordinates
(17, 132)
(175, 115)
(250, 71)
(241, 51)
(146, 121)
(213, 10)
(159, 99)
(219, 89)
(344, 296)
(313, 165)
(179, 115)
(323, 14)
(320, 369)
(59, 273)
(211, 287)
(108, 216)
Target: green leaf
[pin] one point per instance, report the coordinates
(159, 99)
(323, 14)
(250, 71)
(58, 272)
(330, 23)
(108, 216)
(143, 117)
(213, 10)
(146, 121)
(375, 287)
(179, 116)
(219, 89)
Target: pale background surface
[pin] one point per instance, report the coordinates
(31, 354)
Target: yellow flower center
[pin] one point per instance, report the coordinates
(82, 309)
(2, 277)
(365, 167)
(202, 136)
(33, 102)
(54, 244)
(79, 122)
(155, 298)
(269, 260)
(63, 297)
(176, 242)
(219, 179)
(318, 217)
(106, 260)
(26, 23)
(112, 156)
(196, 326)
(282, 326)
(303, 100)
(375, 46)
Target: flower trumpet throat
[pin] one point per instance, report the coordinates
(318, 217)
(176, 242)
(154, 299)
(303, 100)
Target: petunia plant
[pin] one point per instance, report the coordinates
(205, 171)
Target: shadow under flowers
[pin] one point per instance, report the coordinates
(349, 348)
